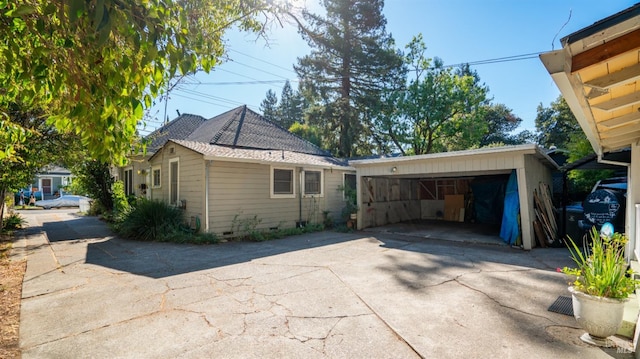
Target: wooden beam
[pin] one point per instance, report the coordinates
(624, 76)
(609, 49)
(621, 141)
(619, 121)
(619, 102)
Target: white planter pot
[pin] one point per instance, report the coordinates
(600, 317)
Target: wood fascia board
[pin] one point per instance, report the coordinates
(610, 49)
(624, 76)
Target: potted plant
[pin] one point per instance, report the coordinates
(602, 284)
(350, 210)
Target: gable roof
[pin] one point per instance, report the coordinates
(244, 128)
(178, 129)
(227, 153)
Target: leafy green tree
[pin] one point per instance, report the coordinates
(556, 125)
(439, 110)
(501, 122)
(352, 62)
(269, 107)
(35, 145)
(93, 177)
(309, 133)
(93, 66)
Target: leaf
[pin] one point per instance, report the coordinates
(24, 10)
(76, 9)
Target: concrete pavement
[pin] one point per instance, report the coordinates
(88, 294)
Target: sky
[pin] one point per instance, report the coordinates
(457, 31)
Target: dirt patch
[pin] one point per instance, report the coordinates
(11, 274)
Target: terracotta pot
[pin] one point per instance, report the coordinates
(601, 317)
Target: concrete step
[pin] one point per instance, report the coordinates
(630, 318)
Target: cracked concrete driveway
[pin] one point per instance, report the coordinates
(87, 294)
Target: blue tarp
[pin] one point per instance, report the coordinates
(510, 230)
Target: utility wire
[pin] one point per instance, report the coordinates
(263, 61)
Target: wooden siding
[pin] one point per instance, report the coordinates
(529, 178)
(450, 166)
(190, 181)
(239, 196)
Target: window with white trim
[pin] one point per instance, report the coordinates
(282, 183)
(173, 181)
(313, 183)
(155, 177)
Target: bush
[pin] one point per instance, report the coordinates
(12, 222)
(157, 221)
(151, 221)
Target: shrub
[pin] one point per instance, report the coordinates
(12, 222)
(120, 202)
(151, 221)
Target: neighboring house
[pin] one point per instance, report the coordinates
(239, 171)
(50, 180)
(598, 72)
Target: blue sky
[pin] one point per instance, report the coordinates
(457, 31)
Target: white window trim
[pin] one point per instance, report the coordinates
(293, 179)
(321, 194)
(153, 169)
(177, 182)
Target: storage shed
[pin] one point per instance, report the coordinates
(439, 186)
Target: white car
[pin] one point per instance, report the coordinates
(62, 201)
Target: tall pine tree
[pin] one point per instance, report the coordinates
(269, 107)
(291, 106)
(352, 63)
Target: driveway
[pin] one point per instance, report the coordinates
(88, 294)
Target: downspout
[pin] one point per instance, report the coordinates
(299, 196)
(206, 195)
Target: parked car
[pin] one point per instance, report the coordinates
(62, 201)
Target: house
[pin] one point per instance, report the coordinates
(49, 181)
(238, 171)
(598, 73)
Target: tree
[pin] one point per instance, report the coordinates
(501, 122)
(309, 133)
(291, 106)
(352, 62)
(35, 145)
(93, 66)
(269, 107)
(438, 110)
(556, 125)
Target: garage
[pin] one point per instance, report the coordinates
(465, 188)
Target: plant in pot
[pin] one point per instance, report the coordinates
(602, 284)
(350, 209)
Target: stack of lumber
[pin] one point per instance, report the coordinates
(544, 224)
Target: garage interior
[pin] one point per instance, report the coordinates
(435, 207)
(458, 195)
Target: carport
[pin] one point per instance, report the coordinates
(438, 186)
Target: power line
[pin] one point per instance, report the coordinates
(263, 61)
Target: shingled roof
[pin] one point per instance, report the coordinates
(244, 128)
(227, 153)
(178, 129)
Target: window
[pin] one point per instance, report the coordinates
(155, 177)
(128, 181)
(349, 184)
(313, 183)
(282, 184)
(173, 180)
